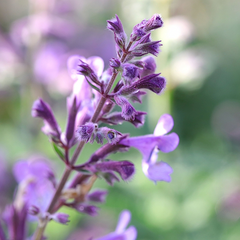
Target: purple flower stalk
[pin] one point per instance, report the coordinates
(94, 97)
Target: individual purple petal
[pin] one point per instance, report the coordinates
(145, 144)
(164, 125)
(159, 171)
(130, 233)
(168, 143)
(124, 219)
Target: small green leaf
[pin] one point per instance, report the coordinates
(93, 86)
(58, 151)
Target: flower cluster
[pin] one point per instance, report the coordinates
(91, 106)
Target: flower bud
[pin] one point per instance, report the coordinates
(130, 72)
(152, 82)
(42, 110)
(114, 63)
(116, 26)
(128, 111)
(146, 48)
(124, 168)
(85, 132)
(60, 217)
(153, 23)
(87, 209)
(85, 70)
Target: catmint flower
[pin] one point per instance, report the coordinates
(116, 26)
(128, 111)
(116, 118)
(148, 145)
(42, 110)
(60, 218)
(153, 82)
(114, 63)
(130, 72)
(97, 196)
(149, 66)
(124, 168)
(85, 132)
(146, 48)
(121, 233)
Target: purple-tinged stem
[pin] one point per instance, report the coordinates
(40, 230)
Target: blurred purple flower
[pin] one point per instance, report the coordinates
(37, 181)
(121, 233)
(149, 145)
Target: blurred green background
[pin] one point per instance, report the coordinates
(201, 60)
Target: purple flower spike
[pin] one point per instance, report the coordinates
(42, 110)
(60, 218)
(97, 196)
(121, 233)
(149, 145)
(128, 111)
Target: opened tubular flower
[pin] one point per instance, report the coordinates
(149, 145)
